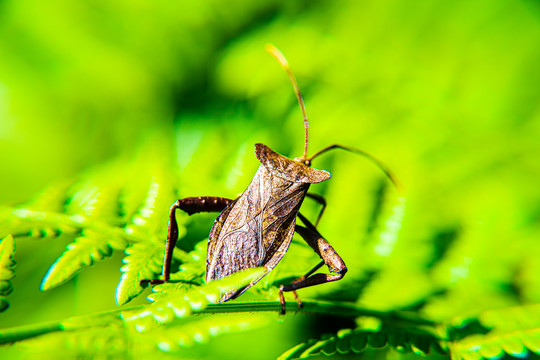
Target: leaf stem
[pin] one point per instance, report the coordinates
(14, 334)
(74, 221)
(315, 307)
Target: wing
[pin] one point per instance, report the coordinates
(235, 243)
(215, 231)
(235, 250)
(279, 218)
(256, 229)
(243, 249)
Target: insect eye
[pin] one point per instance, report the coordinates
(307, 162)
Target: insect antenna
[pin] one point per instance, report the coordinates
(385, 169)
(278, 55)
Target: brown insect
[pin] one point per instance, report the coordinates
(256, 228)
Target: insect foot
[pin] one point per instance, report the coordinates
(296, 297)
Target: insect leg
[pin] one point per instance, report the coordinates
(194, 205)
(321, 200)
(191, 205)
(281, 297)
(327, 253)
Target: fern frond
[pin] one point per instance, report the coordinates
(96, 198)
(76, 338)
(357, 340)
(71, 206)
(460, 303)
(515, 317)
(94, 211)
(407, 286)
(387, 232)
(143, 261)
(150, 220)
(514, 331)
(173, 338)
(74, 224)
(400, 257)
(178, 305)
(516, 344)
(21, 221)
(86, 250)
(52, 199)
(190, 273)
(7, 249)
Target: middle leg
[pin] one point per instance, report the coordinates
(329, 257)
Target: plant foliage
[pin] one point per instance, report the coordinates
(7, 265)
(110, 111)
(346, 341)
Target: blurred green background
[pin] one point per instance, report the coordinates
(444, 92)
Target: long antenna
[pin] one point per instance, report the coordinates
(385, 169)
(278, 55)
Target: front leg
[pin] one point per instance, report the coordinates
(330, 258)
(191, 205)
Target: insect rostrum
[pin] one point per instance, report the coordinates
(256, 228)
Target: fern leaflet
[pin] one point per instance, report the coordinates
(143, 261)
(172, 338)
(83, 252)
(190, 273)
(357, 340)
(52, 199)
(514, 331)
(7, 249)
(179, 305)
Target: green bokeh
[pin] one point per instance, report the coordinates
(445, 92)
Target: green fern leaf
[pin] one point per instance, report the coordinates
(97, 198)
(7, 249)
(51, 199)
(83, 252)
(400, 264)
(143, 261)
(188, 276)
(495, 345)
(190, 273)
(150, 221)
(512, 318)
(176, 305)
(408, 286)
(172, 338)
(387, 233)
(514, 331)
(357, 340)
(24, 222)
